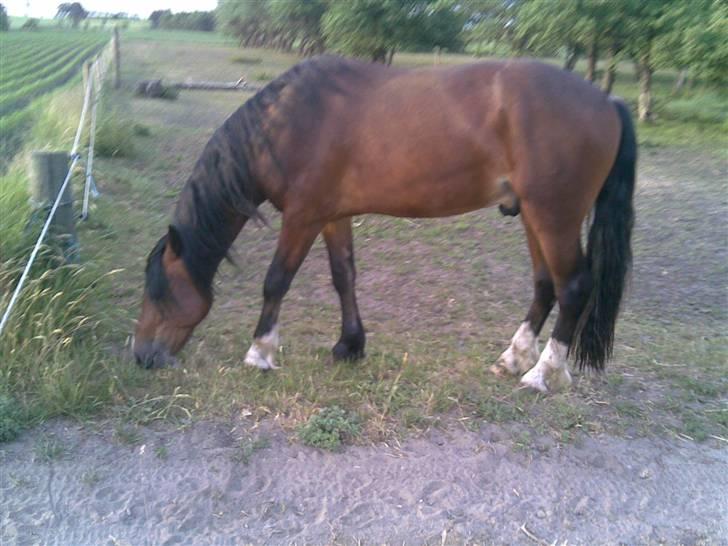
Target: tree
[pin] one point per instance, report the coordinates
(647, 23)
(696, 41)
(195, 20)
(371, 28)
(4, 21)
(376, 28)
(250, 21)
(156, 16)
(73, 11)
(298, 22)
(492, 22)
(439, 24)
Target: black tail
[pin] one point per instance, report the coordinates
(609, 253)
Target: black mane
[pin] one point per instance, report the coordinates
(221, 188)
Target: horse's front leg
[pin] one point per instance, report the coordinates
(294, 242)
(339, 242)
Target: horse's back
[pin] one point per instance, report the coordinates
(439, 141)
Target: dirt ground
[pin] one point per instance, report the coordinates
(448, 293)
(448, 487)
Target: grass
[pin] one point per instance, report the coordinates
(116, 136)
(48, 449)
(439, 298)
(53, 361)
(249, 447)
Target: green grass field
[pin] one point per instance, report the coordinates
(439, 298)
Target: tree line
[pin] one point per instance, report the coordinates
(690, 35)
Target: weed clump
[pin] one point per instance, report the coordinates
(329, 429)
(247, 60)
(141, 130)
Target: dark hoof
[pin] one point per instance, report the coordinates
(343, 351)
(510, 211)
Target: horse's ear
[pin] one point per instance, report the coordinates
(174, 241)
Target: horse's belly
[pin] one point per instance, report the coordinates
(428, 196)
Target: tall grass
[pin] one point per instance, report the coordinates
(51, 358)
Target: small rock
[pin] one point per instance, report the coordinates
(645, 473)
(581, 506)
(540, 514)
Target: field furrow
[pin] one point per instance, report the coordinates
(22, 96)
(11, 82)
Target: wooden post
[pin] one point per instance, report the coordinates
(116, 58)
(48, 172)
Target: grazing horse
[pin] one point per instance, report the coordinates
(332, 138)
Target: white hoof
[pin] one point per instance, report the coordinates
(520, 356)
(534, 380)
(263, 350)
(255, 357)
(551, 372)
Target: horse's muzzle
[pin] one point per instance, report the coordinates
(152, 354)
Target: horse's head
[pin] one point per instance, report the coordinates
(173, 304)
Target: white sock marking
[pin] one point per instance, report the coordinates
(521, 354)
(263, 350)
(552, 371)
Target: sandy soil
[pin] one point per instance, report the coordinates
(449, 487)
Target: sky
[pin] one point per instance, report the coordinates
(47, 8)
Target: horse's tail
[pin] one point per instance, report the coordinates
(609, 253)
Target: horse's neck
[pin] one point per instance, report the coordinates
(209, 222)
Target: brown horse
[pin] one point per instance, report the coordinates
(333, 138)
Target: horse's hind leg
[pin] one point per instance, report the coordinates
(294, 242)
(339, 242)
(572, 281)
(522, 353)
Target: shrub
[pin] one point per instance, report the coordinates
(329, 429)
(9, 419)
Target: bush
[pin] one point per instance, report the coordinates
(329, 429)
(10, 425)
(30, 24)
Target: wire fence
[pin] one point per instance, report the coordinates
(92, 94)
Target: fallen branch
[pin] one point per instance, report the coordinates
(156, 89)
(240, 85)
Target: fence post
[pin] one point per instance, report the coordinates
(48, 172)
(116, 58)
(86, 71)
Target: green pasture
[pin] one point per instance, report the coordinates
(439, 298)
